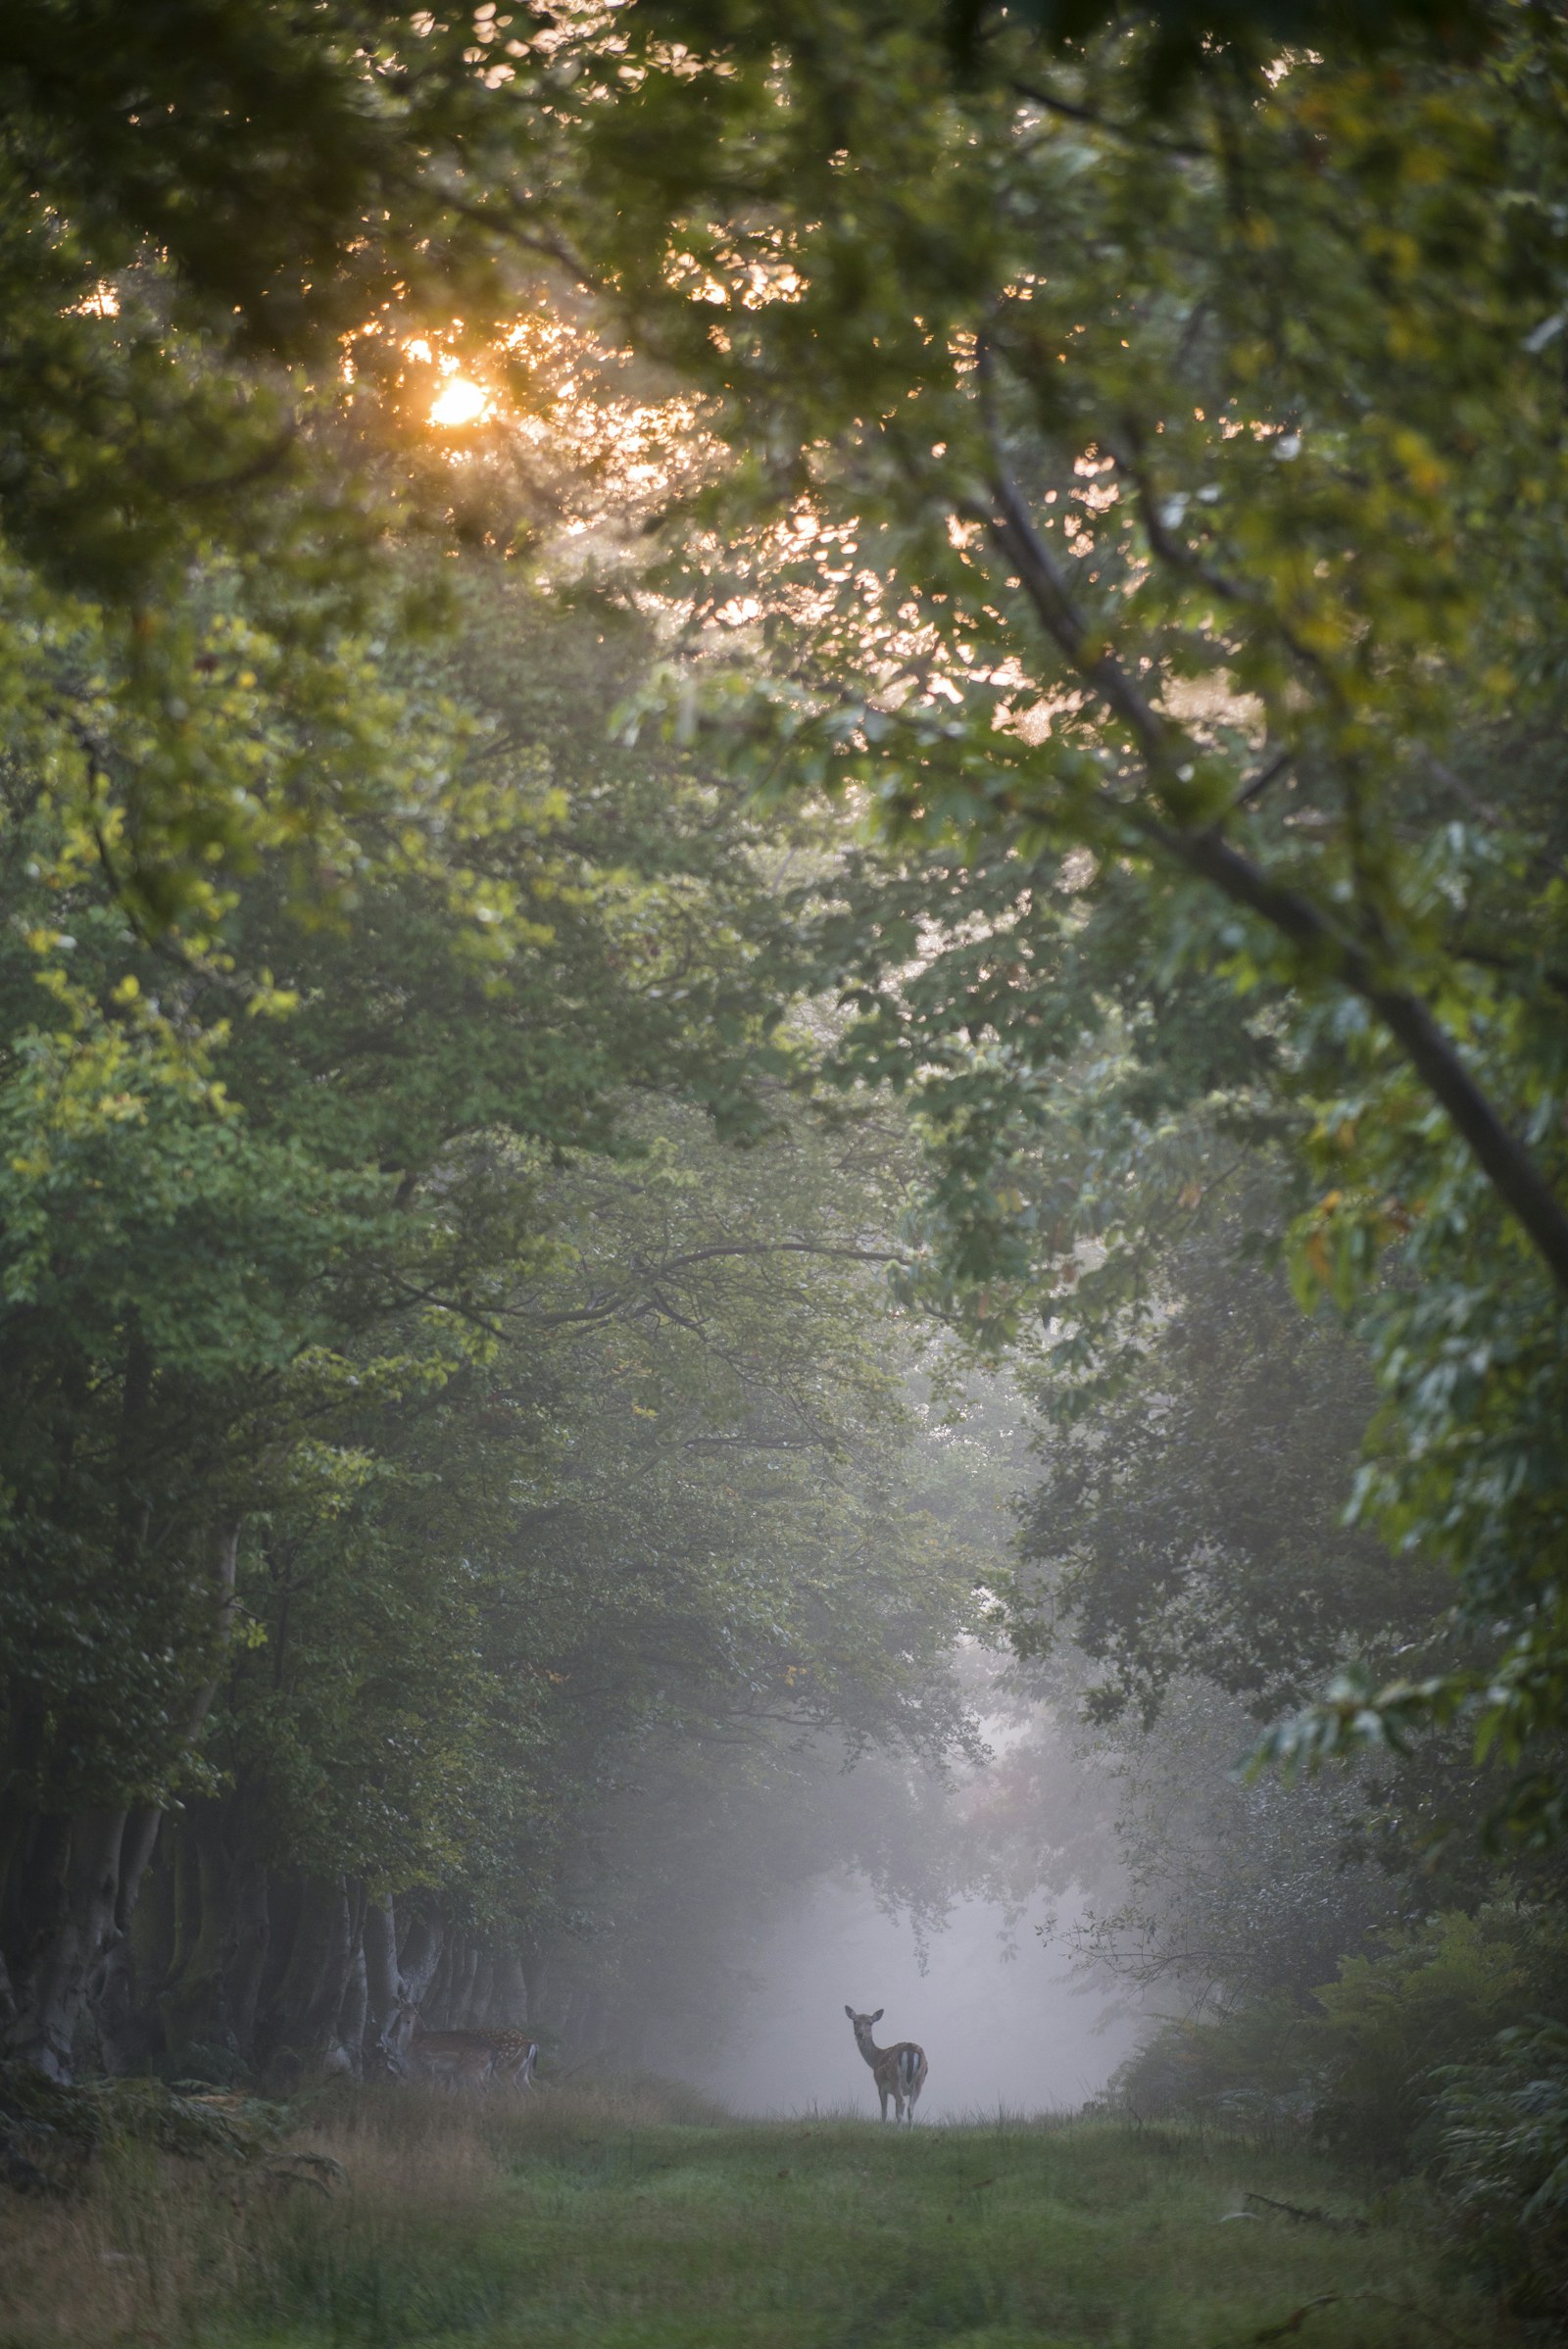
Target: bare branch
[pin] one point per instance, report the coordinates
(630, 1299)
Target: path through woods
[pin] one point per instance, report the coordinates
(631, 2220)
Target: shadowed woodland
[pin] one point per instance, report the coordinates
(783, 1120)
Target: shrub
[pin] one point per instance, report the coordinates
(1434, 1995)
(50, 2133)
(1255, 2066)
(1363, 2063)
(1501, 2126)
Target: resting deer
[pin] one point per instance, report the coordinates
(898, 2071)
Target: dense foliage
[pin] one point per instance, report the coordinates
(993, 764)
(408, 1390)
(1157, 516)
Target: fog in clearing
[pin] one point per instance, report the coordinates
(997, 2027)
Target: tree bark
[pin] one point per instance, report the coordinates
(460, 1993)
(76, 1924)
(303, 2023)
(385, 1994)
(354, 2005)
(420, 1955)
(480, 2015)
(195, 2000)
(434, 2006)
(249, 1938)
(512, 1994)
(125, 2039)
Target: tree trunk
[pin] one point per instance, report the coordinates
(126, 2031)
(185, 1899)
(28, 1913)
(249, 1937)
(308, 1998)
(481, 1993)
(324, 2042)
(460, 1991)
(152, 1920)
(284, 1899)
(297, 1990)
(386, 1993)
(512, 1994)
(420, 1956)
(195, 1999)
(18, 1830)
(535, 1979)
(353, 2010)
(75, 1910)
(433, 2006)
(70, 1899)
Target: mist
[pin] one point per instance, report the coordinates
(1003, 2021)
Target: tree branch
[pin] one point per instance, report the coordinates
(779, 1247)
(607, 1308)
(1431, 1052)
(1135, 134)
(1255, 789)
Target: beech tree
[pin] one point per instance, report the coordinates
(1121, 459)
(279, 1217)
(1156, 507)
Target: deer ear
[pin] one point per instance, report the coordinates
(880, 2012)
(850, 2011)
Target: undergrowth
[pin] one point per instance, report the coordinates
(642, 2217)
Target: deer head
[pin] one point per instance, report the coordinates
(862, 2031)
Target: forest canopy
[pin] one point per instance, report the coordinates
(1156, 513)
(715, 720)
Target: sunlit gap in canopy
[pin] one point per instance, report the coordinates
(458, 403)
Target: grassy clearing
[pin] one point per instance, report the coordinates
(641, 2220)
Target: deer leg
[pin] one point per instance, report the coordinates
(882, 2092)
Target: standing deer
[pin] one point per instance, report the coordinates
(898, 2071)
(466, 2059)
(515, 2054)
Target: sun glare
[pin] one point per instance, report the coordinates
(459, 402)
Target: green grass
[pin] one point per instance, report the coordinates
(590, 2223)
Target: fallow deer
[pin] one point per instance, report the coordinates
(515, 2054)
(457, 2059)
(898, 2071)
(467, 2059)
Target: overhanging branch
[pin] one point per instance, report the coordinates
(1206, 854)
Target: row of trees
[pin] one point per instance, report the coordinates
(412, 1406)
(1155, 510)
(1121, 461)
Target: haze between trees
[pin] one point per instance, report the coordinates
(969, 748)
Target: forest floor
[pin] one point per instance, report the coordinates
(641, 2220)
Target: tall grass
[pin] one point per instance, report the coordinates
(638, 2217)
(161, 2249)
